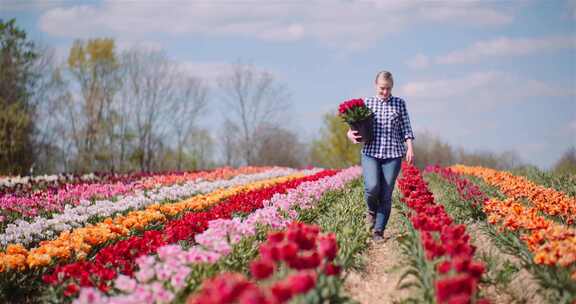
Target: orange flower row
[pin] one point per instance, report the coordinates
(551, 243)
(547, 200)
(77, 243)
(220, 173)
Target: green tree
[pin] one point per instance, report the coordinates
(567, 163)
(94, 66)
(333, 149)
(17, 58)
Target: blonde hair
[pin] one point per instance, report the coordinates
(386, 76)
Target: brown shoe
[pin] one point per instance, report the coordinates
(386, 235)
(370, 219)
(377, 236)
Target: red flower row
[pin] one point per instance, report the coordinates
(301, 250)
(121, 256)
(444, 242)
(467, 190)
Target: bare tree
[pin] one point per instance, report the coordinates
(278, 146)
(189, 103)
(566, 164)
(50, 95)
(200, 148)
(431, 150)
(230, 143)
(150, 90)
(252, 98)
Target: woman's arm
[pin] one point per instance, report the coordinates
(407, 133)
(405, 126)
(410, 151)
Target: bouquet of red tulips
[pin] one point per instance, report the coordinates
(358, 116)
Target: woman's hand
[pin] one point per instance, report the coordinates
(410, 156)
(353, 136)
(410, 152)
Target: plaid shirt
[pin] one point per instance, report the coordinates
(391, 127)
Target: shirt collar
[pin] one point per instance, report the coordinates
(383, 99)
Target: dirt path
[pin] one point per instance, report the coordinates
(377, 283)
(521, 287)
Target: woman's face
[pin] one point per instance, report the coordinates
(383, 88)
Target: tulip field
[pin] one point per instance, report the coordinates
(283, 235)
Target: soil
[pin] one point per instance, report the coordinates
(377, 282)
(522, 288)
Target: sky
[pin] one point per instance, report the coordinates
(482, 75)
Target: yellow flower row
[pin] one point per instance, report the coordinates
(77, 243)
(547, 200)
(551, 243)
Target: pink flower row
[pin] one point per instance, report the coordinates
(46, 201)
(160, 277)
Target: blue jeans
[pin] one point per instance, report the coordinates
(379, 178)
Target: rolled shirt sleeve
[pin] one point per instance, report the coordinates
(405, 127)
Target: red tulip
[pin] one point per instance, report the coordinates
(71, 289)
(310, 261)
(252, 296)
(328, 247)
(270, 251)
(444, 267)
(460, 299)
(275, 237)
(476, 269)
(288, 251)
(262, 268)
(281, 292)
(301, 282)
(332, 270)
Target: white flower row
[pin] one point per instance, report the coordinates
(159, 277)
(11, 181)
(40, 228)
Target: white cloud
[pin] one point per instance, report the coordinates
(122, 45)
(506, 47)
(474, 14)
(72, 22)
(211, 71)
(349, 24)
(480, 91)
(419, 61)
(443, 88)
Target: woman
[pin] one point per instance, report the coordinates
(382, 156)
